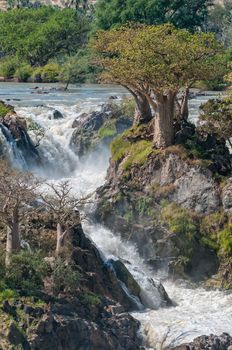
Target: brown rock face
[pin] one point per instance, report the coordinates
(14, 129)
(131, 203)
(15, 124)
(70, 332)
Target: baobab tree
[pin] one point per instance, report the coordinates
(64, 207)
(17, 199)
(154, 63)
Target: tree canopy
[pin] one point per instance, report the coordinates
(154, 63)
(37, 35)
(189, 14)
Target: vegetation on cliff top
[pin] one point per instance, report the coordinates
(174, 58)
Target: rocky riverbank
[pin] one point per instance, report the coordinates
(91, 316)
(173, 203)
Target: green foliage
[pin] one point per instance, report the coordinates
(49, 73)
(65, 276)
(125, 108)
(138, 153)
(134, 153)
(184, 225)
(183, 14)
(119, 147)
(8, 294)
(225, 240)
(216, 117)
(37, 35)
(8, 67)
(108, 129)
(90, 299)
(79, 68)
(4, 109)
(26, 273)
(144, 207)
(174, 58)
(23, 72)
(220, 22)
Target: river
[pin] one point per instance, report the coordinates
(197, 311)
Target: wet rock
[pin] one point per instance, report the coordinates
(87, 133)
(74, 333)
(211, 342)
(14, 129)
(102, 278)
(15, 124)
(80, 120)
(93, 121)
(56, 115)
(125, 276)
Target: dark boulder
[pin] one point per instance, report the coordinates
(14, 129)
(211, 342)
(56, 115)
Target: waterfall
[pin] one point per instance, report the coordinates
(196, 310)
(11, 150)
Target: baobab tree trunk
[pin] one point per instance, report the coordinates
(143, 112)
(60, 238)
(12, 241)
(163, 124)
(184, 106)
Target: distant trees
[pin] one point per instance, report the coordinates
(154, 63)
(219, 21)
(37, 35)
(78, 68)
(189, 14)
(17, 196)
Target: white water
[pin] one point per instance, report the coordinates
(198, 311)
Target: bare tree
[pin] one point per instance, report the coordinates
(17, 196)
(65, 208)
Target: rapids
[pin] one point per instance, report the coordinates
(197, 311)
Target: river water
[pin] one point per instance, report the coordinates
(197, 311)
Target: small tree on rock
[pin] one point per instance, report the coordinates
(65, 209)
(17, 196)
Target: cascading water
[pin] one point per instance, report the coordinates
(197, 311)
(10, 148)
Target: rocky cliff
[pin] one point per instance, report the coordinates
(163, 201)
(91, 316)
(15, 142)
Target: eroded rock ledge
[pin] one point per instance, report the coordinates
(174, 205)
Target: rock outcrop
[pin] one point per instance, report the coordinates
(14, 130)
(96, 128)
(92, 317)
(211, 342)
(158, 198)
